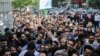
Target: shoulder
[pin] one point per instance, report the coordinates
(36, 53)
(23, 53)
(61, 52)
(81, 55)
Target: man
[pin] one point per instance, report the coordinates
(5, 44)
(63, 48)
(70, 45)
(92, 42)
(62, 52)
(13, 50)
(7, 53)
(68, 51)
(63, 42)
(97, 20)
(88, 51)
(31, 48)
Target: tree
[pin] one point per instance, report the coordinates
(18, 3)
(23, 3)
(35, 3)
(57, 2)
(94, 3)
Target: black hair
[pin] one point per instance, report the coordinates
(6, 29)
(72, 41)
(39, 28)
(75, 53)
(12, 29)
(31, 46)
(29, 53)
(48, 41)
(4, 39)
(97, 51)
(5, 50)
(92, 35)
(79, 40)
(55, 42)
(88, 47)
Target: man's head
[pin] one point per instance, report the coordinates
(7, 52)
(31, 46)
(70, 44)
(89, 29)
(91, 38)
(23, 36)
(4, 42)
(29, 53)
(88, 50)
(13, 49)
(42, 54)
(63, 42)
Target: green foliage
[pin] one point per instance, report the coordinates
(94, 3)
(35, 3)
(18, 3)
(24, 3)
(57, 2)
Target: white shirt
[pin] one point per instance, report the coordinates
(24, 52)
(97, 17)
(94, 45)
(82, 55)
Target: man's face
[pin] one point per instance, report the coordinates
(74, 55)
(91, 38)
(70, 44)
(42, 54)
(40, 36)
(23, 37)
(87, 52)
(89, 29)
(13, 50)
(7, 53)
(4, 43)
(14, 36)
(63, 42)
(42, 48)
(54, 45)
(49, 26)
(67, 31)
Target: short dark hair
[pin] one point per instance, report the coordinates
(31, 46)
(79, 40)
(29, 53)
(6, 29)
(72, 41)
(4, 39)
(88, 47)
(5, 50)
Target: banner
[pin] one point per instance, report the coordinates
(45, 4)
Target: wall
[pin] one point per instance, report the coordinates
(5, 15)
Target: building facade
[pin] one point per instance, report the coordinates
(6, 19)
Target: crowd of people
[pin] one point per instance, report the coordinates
(69, 34)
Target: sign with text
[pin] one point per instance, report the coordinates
(45, 4)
